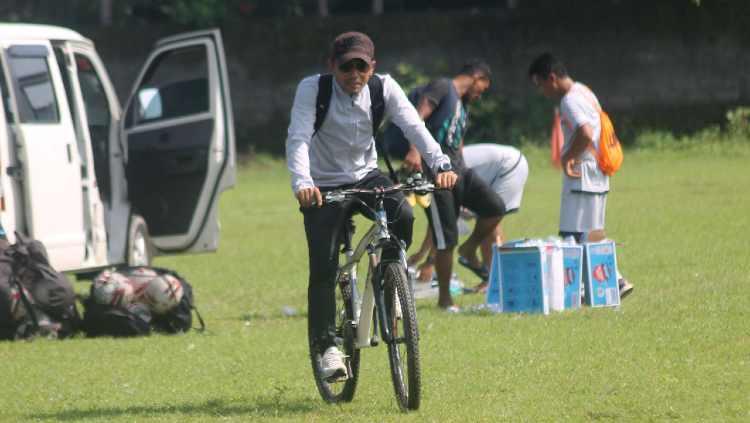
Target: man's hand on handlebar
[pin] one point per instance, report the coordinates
(446, 180)
(309, 197)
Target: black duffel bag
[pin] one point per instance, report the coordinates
(35, 299)
(137, 316)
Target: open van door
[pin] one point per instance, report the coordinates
(179, 137)
(49, 165)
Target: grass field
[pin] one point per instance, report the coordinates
(677, 349)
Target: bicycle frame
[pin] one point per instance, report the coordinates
(372, 243)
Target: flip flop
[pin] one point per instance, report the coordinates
(481, 288)
(480, 271)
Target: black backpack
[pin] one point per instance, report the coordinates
(377, 108)
(136, 319)
(44, 296)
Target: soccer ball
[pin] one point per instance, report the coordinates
(163, 293)
(141, 274)
(140, 277)
(112, 288)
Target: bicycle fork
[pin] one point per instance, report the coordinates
(365, 338)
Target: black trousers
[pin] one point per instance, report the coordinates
(323, 227)
(470, 191)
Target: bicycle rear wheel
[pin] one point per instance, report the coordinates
(403, 349)
(339, 391)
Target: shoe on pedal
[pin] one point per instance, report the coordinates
(332, 365)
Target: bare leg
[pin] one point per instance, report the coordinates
(596, 235)
(496, 237)
(483, 228)
(423, 249)
(427, 267)
(444, 267)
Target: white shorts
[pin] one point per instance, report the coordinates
(510, 186)
(581, 211)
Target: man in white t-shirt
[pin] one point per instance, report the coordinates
(505, 170)
(584, 188)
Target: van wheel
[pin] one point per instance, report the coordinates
(139, 243)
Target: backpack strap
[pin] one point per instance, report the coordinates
(200, 318)
(377, 108)
(19, 255)
(27, 305)
(323, 100)
(377, 102)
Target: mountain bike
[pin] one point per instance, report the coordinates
(384, 302)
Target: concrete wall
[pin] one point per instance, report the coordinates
(646, 72)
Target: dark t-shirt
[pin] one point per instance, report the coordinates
(447, 123)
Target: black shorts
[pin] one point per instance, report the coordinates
(471, 192)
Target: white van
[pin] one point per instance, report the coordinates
(101, 185)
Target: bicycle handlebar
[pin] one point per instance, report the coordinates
(419, 187)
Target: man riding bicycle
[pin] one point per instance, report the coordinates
(329, 146)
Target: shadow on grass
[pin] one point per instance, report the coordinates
(265, 407)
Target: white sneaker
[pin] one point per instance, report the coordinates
(625, 287)
(332, 364)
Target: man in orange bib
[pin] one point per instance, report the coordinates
(584, 187)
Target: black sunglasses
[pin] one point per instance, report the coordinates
(359, 64)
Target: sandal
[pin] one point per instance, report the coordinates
(481, 288)
(480, 271)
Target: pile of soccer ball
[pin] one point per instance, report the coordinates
(139, 290)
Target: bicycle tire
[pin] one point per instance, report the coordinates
(404, 331)
(336, 392)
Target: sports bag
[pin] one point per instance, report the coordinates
(131, 309)
(35, 299)
(180, 318)
(609, 155)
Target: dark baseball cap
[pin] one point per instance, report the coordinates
(352, 45)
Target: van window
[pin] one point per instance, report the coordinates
(175, 85)
(98, 116)
(34, 92)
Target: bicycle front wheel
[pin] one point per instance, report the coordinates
(403, 348)
(334, 391)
